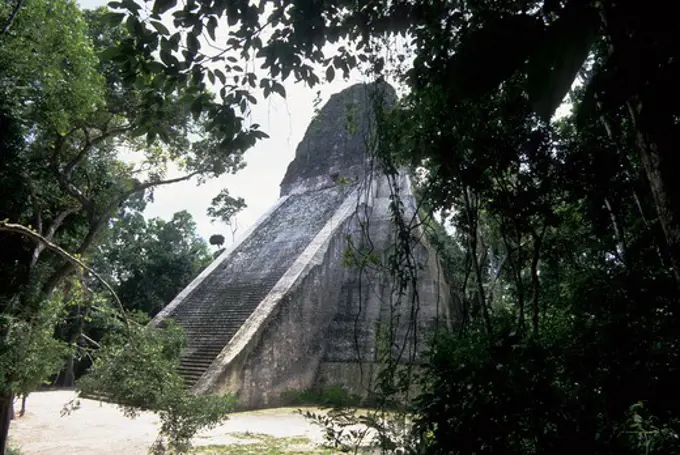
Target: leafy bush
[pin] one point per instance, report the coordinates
(576, 387)
(136, 368)
(30, 354)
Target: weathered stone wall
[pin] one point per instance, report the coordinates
(281, 311)
(291, 347)
(324, 324)
(337, 142)
(269, 344)
(214, 311)
(369, 304)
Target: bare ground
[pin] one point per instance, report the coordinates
(100, 428)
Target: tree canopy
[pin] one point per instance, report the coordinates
(67, 113)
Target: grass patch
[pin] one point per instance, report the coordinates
(255, 443)
(269, 439)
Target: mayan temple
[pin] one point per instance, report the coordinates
(283, 309)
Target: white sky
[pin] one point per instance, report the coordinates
(285, 121)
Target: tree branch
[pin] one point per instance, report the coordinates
(23, 230)
(89, 143)
(98, 223)
(51, 231)
(12, 16)
(71, 189)
(152, 183)
(34, 202)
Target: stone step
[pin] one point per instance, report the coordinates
(234, 324)
(208, 320)
(214, 318)
(212, 332)
(204, 350)
(206, 344)
(207, 347)
(188, 370)
(193, 367)
(218, 336)
(190, 381)
(229, 305)
(197, 361)
(191, 375)
(200, 358)
(220, 311)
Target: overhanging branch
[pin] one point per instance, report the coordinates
(26, 232)
(12, 16)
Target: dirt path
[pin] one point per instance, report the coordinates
(100, 428)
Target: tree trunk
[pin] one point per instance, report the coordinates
(6, 412)
(656, 133)
(67, 377)
(535, 281)
(661, 164)
(22, 412)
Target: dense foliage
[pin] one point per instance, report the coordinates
(148, 262)
(138, 371)
(66, 113)
(151, 261)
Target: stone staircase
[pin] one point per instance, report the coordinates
(209, 330)
(213, 313)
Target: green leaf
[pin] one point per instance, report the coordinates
(174, 41)
(130, 24)
(192, 43)
(278, 88)
(109, 53)
(260, 134)
(131, 6)
(196, 108)
(220, 75)
(553, 67)
(212, 25)
(161, 6)
(156, 67)
(168, 58)
(330, 73)
(160, 28)
(114, 19)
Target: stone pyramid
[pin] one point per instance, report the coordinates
(282, 309)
